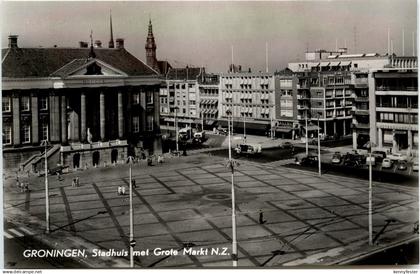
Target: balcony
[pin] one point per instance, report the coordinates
(359, 125)
(302, 107)
(360, 112)
(361, 99)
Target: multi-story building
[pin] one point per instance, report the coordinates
(93, 105)
(208, 86)
(393, 101)
(251, 99)
(180, 94)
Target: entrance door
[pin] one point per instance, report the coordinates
(76, 160)
(114, 156)
(95, 158)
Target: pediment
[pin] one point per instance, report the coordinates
(83, 67)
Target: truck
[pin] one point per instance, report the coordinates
(199, 137)
(248, 149)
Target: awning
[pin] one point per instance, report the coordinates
(334, 64)
(283, 129)
(325, 64)
(312, 127)
(346, 63)
(209, 122)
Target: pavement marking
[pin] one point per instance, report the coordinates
(7, 235)
(162, 222)
(171, 191)
(27, 231)
(14, 231)
(68, 210)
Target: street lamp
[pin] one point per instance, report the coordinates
(132, 242)
(319, 151)
(370, 145)
(306, 132)
(176, 127)
(47, 200)
(231, 166)
(244, 128)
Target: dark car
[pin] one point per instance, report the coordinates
(402, 165)
(379, 155)
(287, 145)
(354, 160)
(309, 161)
(57, 169)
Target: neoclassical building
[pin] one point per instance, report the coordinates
(94, 105)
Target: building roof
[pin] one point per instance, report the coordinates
(164, 66)
(43, 62)
(183, 73)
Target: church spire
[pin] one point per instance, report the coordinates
(111, 41)
(91, 53)
(151, 48)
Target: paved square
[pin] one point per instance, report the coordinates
(187, 200)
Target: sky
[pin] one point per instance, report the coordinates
(203, 33)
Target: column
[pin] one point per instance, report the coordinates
(102, 115)
(410, 138)
(63, 115)
(83, 116)
(335, 127)
(325, 128)
(156, 106)
(354, 139)
(16, 120)
(143, 108)
(54, 118)
(394, 142)
(380, 137)
(120, 116)
(344, 128)
(35, 119)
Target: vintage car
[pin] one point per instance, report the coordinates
(248, 149)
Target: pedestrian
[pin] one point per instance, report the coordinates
(26, 187)
(73, 183)
(123, 190)
(149, 161)
(133, 183)
(77, 182)
(119, 190)
(160, 159)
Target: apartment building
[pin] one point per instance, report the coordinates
(208, 86)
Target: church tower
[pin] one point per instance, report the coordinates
(151, 49)
(111, 40)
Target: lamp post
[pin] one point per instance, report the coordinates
(231, 166)
(319, 151)
(47, 200)
(370, 145)
(244, 129)
(306, 133)
(176, 127)
(132, 242)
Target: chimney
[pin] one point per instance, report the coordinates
(98, 44)
(13, 41)
(120, 43)
(83, 44)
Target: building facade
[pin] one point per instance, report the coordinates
(94, 106)
(251, 99)
(208, 86)
(393, 99)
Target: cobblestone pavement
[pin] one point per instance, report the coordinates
(187, 200)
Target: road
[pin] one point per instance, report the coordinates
(17, 240)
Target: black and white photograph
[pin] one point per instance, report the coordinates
(210, 134)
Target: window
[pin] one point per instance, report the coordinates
(43, 103)
(24, 103)
(6, 106)
(136, 98)
(26, 134)
(149, 123)
(44, 131)
(7, 134)
(149, 97)
(285, 83)
(136, 124)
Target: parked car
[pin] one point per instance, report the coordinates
(397, 157)
(287, 145)
(416, 165)
(336, 158)
(402, 165)
(222, 131)
(304, 160)
(199, 137)
(245, 149)
(354, 159)
(387, 163)
(379, 155)
(58, 169)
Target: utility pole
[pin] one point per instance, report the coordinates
(47, 195)
(132, 242)
(231, 166)
(319, 152)
(370, 194)
(244, 130)
(306, 133)
(176, 127)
